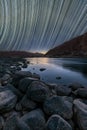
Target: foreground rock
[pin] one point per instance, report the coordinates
(61, 90)
(35, 120)
(7, 100)
(1, 122)
(81, 92)
(25, 101)
(20, 75)
(24, 83)
(14, 90)
(38, 91)
(75, 86)
(58, 105)
(27, 104)
(56, 122)
(13, 123)
(80, 114)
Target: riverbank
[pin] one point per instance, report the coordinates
(27, 103)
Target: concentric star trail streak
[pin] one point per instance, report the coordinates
(39, 25)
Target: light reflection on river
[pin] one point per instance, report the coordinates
(69, 69)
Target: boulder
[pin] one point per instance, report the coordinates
(34, 119)
(42, 69)
(1, 122)
(27, 104)
(24, 83)
(55, 122)
(81, 92)
(5, 79)
(38, 91)
(11, 113)
(75, 86)
(19, 75)
(7, 100)
(58, 105)
(24, 65)
(23, 73)
(14, 123)
(62, 90)
(37, 76)
(18, 107)
(15, 91)
(80, 114)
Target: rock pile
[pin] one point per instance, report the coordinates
(27, 103)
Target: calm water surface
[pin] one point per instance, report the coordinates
(69, 69)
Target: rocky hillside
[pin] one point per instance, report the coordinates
(19, 54)
(76, 47)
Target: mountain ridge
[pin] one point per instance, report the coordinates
(76, 47)
(22, 54)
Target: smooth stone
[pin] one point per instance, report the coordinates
(27, 104)
(7, 101)
(60, 105)
(11, 113)
(18, 68)
(5, 79)
(15, 91)
(38, 91)
(18, 107)
(20, 75)
(35, 119)
(37, 76)
(24, 66)
(42, 69)
(1, 122)
(23, 73)
(81, 92)
(62, 90)
(80, 114)
(56, 122)
(24, 83)
(14, 123)
(75, 86)
(58, 77)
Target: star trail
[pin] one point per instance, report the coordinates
(39, 25)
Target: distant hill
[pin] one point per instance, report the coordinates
(76, 47)
(19, 54)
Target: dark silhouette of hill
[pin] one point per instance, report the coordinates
(76, 47)
(19, 54)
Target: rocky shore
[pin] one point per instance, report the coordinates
(27, 103)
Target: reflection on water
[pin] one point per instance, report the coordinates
(69, 69)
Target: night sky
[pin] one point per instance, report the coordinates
(39, 25)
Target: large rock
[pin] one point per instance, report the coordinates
(1, 122)
(75, 86)
(15, 91)
(62, 90)
(7, 100)
(38, 91)
(58, 105)
(55, 122)
(23, 73)
(35, 75)
(81, 92)
(24, 83)
(80, 114)
(35, 119)
(27, 104)
(5, 79)
(14, 123)
(19, 75)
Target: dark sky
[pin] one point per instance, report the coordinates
(39, 25)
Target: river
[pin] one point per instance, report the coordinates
(60, 70)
